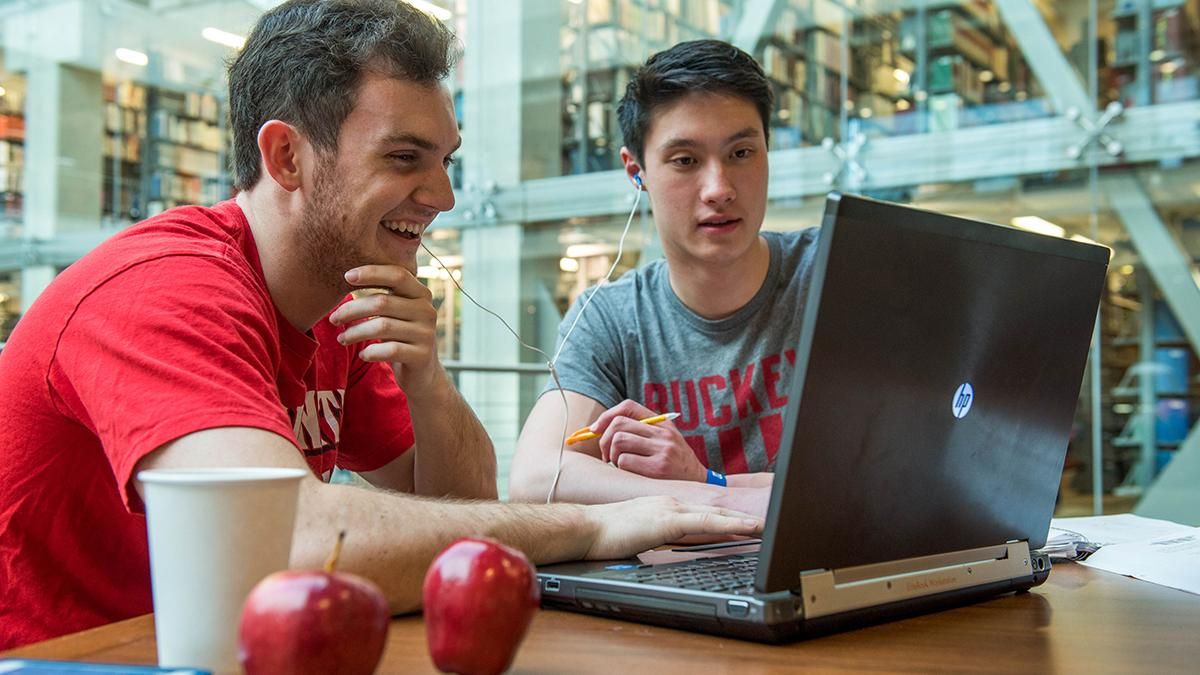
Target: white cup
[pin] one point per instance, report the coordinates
(214, 534)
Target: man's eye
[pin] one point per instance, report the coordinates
(403, 156)
(743, 153)
(683, 161)
(449, 161)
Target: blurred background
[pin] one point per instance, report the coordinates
(1077, 118)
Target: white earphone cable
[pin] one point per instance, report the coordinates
(551, 361)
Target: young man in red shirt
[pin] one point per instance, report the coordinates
(224, 336)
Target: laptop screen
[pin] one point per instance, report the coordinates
(937, 376)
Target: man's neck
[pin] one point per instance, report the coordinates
(715, 293)
(294, 286)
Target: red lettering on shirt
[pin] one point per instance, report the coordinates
(720, 416)
(743, 394)
(655, 397)
(733, 450)
(697, 445)
(689, 415)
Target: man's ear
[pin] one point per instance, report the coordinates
(633, 169)
(279, 144)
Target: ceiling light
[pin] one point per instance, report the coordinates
(902, 104)
(901, 76)
(1038, 225)
(986, 76)
(439, 13)
(231, 40)
(3, 91)
(132, 56)
(568, 264)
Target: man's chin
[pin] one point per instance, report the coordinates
(409, 264)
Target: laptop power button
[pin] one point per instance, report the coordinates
(737, 608)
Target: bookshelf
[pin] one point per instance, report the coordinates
(12, 152)
(1155, 52)
(124, 141)
(933, 67)
(602, 43)
(162, 149)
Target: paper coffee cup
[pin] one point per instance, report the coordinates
(213, 534)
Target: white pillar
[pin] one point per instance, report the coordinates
(512, 132)
(64, 125)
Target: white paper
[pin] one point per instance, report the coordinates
(1118, 529)
(1173, 560)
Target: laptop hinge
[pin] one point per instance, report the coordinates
(828, 592)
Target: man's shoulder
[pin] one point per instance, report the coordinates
(216, 235)
(795, 249)
(794, 239)
(186, 228)
(183, 252)
(638, 285)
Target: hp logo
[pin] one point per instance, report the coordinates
(964, 396)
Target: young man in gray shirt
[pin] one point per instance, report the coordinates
(709, 333)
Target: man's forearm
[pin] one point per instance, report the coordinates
(397, 556)
(762, 479)
(454, 456)
(588, 480)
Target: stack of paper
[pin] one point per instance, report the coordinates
(1158, 551)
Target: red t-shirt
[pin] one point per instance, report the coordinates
(165, 329)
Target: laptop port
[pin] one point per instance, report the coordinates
(551, 586)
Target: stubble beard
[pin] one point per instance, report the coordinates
(324, 230)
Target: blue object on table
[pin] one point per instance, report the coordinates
(41, 667)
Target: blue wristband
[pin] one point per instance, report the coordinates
(715, 478)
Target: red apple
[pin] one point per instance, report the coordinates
(479, 597)
(313, 622)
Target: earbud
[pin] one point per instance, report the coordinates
(637, 178)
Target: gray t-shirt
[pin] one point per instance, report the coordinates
(728, 378)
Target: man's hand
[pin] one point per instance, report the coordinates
(627, 528)
(651, 450)
(751, 500)
(403, 320)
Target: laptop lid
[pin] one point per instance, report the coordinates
(935, 387)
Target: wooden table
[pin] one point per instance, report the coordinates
(1081, 620)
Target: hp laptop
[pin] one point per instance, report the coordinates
(936, 379)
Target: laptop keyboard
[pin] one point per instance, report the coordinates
(726, 574)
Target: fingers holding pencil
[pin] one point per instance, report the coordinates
(586, 433)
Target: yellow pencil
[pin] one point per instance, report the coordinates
(585, 434)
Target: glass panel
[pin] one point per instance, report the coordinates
(919, 67)
(603, 42)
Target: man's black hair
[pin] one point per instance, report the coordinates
(697, 66)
